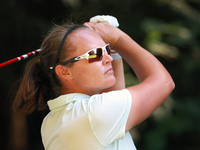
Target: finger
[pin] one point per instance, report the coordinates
(96, 26)
(88, 25)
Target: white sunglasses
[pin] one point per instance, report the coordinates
(95, 54)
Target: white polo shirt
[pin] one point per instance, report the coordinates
(81, 122)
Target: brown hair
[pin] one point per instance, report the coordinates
(36, 86)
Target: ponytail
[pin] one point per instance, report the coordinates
(34, 90)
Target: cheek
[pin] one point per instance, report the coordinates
(87, 74)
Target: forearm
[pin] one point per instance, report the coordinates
(141, 61)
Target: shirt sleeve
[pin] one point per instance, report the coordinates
(108, 114)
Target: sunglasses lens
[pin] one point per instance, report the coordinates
(108, 49)
(95, 56)
(99, 54)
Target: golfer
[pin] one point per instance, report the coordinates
(81, 79)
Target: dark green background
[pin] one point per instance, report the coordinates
(170, 29)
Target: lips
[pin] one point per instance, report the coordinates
(109, 71)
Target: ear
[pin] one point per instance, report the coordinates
(63, 72)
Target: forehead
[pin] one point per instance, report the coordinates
(87, 36)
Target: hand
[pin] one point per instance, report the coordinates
(107, 32)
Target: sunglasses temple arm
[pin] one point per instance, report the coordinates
(69, 61)
(22, 57)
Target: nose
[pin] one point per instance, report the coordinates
(107, 58)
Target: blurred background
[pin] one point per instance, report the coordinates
(169, 29)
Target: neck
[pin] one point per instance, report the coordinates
(78, 89)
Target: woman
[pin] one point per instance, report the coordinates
(82, 79)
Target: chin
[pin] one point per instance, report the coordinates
(111, 82)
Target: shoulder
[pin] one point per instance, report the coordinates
(110, 103)
(119, 95)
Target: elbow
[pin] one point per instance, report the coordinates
(170, 84)
(173, 85)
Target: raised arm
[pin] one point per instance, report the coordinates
(156, 83)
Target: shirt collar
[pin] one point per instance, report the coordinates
(65, 99)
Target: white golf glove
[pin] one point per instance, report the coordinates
(105, 18)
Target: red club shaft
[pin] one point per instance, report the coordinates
(22, 57)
